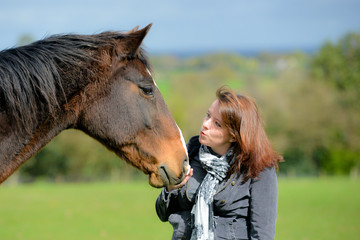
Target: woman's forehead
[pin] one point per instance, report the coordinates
(214, 110)
(214, 107)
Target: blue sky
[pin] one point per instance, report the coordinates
(188, 25)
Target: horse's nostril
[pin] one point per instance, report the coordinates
(164, 174)
(169, 177)
(186, 166)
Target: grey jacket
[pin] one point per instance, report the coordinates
(242, 210)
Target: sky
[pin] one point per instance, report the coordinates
(188, 25)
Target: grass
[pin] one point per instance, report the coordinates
(325, 208)
(80, 211)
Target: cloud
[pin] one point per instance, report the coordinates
(188, 25)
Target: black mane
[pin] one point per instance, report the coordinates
(31, 77)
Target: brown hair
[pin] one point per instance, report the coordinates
(252, 147)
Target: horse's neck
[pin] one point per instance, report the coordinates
(15, 148)
(10, 146)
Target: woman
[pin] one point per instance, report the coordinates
(231, 191)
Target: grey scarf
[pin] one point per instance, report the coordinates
(202, 212)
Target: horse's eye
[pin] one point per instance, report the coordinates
(148, 91)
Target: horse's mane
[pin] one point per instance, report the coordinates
(31, 75)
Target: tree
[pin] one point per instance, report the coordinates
(339, 64)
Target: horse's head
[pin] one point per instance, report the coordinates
(131, 118)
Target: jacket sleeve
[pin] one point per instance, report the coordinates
(166, 203)
(263, 205)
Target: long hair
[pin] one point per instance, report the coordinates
(253, 151)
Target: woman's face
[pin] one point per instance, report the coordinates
(213, 132)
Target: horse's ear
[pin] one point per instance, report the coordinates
(133, 30)
(133, 40)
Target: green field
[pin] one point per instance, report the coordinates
(325, 208)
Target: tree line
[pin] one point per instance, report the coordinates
(310, 105)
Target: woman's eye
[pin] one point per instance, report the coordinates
(148, 91)
(218, 124)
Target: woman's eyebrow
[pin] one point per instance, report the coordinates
(217, 119)
(212, 115)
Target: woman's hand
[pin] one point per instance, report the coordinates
(187, 177)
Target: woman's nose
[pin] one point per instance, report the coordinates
(206, 123)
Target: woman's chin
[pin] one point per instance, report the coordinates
(201, 139)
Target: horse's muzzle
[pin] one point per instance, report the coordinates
(170, 178)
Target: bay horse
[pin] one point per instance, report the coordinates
(100, 84)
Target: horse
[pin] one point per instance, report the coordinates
(100, 84)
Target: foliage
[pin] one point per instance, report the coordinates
(310, 105)
(339, 63)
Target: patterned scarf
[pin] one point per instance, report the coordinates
(202, 212)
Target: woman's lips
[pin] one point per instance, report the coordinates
(202, 133)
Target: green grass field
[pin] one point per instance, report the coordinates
(325, 208)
